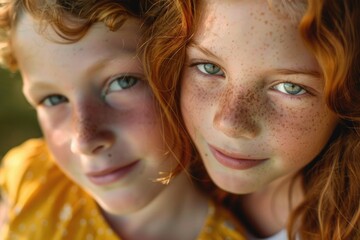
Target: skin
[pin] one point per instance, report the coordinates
(252, 101)
(98, 117)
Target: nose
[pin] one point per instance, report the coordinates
(90, 133)
(236, 114)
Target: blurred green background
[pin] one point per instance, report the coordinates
(17, 118)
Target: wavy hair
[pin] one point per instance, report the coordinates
(71, 19)
(331, 210)
(164, 53)
(330, 30)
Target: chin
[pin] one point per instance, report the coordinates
(233, 185)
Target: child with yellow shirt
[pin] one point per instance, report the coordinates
(108, 166)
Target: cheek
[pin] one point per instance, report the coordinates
(58, 142)
(55, 129)
(301, 135)
(196, 106)
(142, 128)
(143, 118)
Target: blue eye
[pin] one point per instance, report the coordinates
(290, 88)
(53, 100)
(121, 83)
(209, 68)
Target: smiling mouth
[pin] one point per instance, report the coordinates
(235, 161)
(111, 175)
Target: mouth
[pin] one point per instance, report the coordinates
(235, 160)
(110, 175)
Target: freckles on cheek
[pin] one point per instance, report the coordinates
(195, 103)
(301, 135)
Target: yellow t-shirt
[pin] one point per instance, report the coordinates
(45, 204)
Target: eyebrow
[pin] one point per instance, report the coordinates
(194, 44)
(127, 50)
(128, 47)
(302, 71)
(284, 71)
(31, 90)
(128, 55)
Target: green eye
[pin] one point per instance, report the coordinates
(209, 68)
(53, 100)
(290, 88)
(121, 83)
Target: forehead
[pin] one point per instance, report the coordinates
(242, 13)
(292, 10)
(29, 41)
(249, 30)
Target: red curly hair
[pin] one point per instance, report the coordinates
(71, 19)
(331, 210)
(330, 29)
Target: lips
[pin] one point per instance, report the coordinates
(235, 160)
(110, 175)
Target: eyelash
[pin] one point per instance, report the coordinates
(197, 64)
(120, 78)
(303, 90)
(47, 101)
(59, 96)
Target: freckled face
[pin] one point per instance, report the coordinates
(251, 96)
(96, 111)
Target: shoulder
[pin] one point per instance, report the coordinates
(21, 157)
(221, 224)
(42, 201)
(21, 154)
(23, 165)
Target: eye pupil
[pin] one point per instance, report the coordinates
(121, 83)
(292, 88)
(54, 100)
(211, 68)
(127, 82)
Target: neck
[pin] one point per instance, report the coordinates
(266, 212)
(179, 212)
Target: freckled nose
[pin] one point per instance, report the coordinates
(90, 135)
(236, 115)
